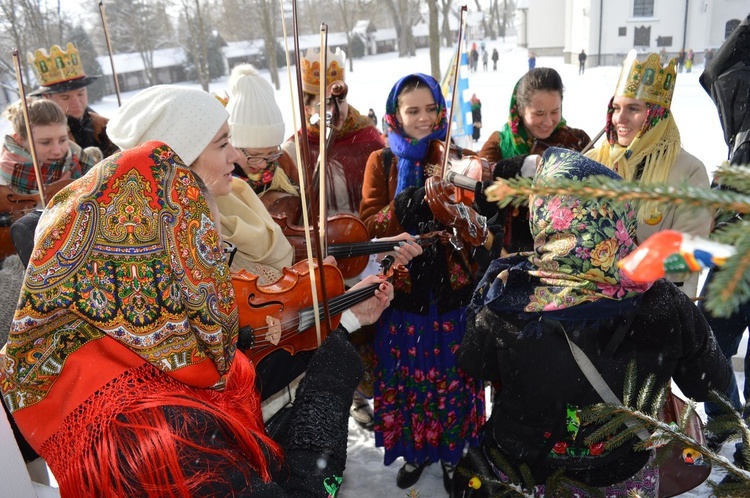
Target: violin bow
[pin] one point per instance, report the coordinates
(302, 150)
(454, 90)
(29, 132)
(594, 140)
(103, 14)
(323, 142)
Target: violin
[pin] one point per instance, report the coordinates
(280, 315)
(457, 163)
(14, 205)
(466, 223)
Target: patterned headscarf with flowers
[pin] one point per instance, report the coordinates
(411, 152)
(514, 139)
(577, 245)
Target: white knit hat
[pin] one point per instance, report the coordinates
(254, 118)
(186, 119)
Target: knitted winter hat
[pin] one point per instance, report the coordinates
(186, 119)
(254, 118)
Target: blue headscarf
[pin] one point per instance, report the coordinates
(411, 152)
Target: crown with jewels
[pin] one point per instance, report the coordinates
(311, 69)
(58, 66)
(648, 81)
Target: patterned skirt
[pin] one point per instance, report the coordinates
(426, 408)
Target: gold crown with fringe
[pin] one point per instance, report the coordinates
(58, 66)
(311, 69)
(648, 81)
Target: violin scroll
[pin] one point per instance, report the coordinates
(469, 225)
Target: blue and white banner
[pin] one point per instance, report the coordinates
(462, 122)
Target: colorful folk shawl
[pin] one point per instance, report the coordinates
(17, 168)
(577, 245)
(649, 157)
(121, 357)
(411, 152)
(514, 139)
(130, 250)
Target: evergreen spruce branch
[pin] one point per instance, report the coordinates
(646, 392)
(515, 191)
(730, 287)
(730, 233)
(630, 388)
(733, 176)
(557, 483)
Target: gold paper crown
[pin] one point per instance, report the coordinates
(311, 69)
(57, 67)
(647, 81)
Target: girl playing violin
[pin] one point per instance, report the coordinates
(426, 408)
(128, 381)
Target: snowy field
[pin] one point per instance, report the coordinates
(584, 106)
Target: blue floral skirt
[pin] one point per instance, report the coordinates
(426, 408)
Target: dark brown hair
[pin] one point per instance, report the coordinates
(537, 79)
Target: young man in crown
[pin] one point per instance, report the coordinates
(62, 79)
(643, 144)
(353, 138)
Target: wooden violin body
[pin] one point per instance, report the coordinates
(282, 204)
(468, 165)
(342, 230)
(280, 315)
(469, 225)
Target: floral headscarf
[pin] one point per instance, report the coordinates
(128, 251)
(514, 139)
(411, 152)
(577, 245)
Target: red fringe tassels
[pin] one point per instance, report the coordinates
(145, 434)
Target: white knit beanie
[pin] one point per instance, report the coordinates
(186, 119)
(254, 118)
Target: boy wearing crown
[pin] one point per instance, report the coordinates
(354, 137)
(643, 144)
(62, 79)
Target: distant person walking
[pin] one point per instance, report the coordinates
(495, 57)
(473, 58)
(689, 61)
(476, 117)
(532, 60)
(485, 59)
(581, 62)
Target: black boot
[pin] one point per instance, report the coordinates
(448, 471)
(408, 478)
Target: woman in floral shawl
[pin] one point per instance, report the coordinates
(534, 123)
(426, 409)
(571, 284)
(121, 368)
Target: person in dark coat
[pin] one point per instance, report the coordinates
(495, 57)
(581, 62)
(476, 117)
(726, 79)
(571, 286)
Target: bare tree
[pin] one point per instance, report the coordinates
(267, 9)
(197, 39)
(403, 20)
(446, 6)
(434, 39)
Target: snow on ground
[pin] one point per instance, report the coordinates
(584, 106)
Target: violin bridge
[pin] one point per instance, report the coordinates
(273, 335)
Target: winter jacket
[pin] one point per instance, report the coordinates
(667, 337)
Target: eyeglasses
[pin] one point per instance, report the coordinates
(229, 251)
(259, 159)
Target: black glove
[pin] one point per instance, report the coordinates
(412, 209)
